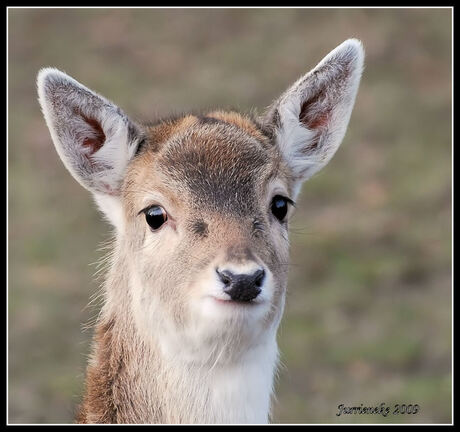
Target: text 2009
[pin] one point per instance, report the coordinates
(406, 409)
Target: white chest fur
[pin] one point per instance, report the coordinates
(239, 392)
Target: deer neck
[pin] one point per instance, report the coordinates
(131, 380)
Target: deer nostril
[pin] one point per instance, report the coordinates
(225, 276)
(259, 277)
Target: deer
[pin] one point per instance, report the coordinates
(199, 206)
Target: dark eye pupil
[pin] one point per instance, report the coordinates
(155, 217)
(279, 207)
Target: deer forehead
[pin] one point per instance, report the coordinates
(221, 162)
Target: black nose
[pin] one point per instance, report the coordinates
(242, 287)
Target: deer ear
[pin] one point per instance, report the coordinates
(93, 137)
(310, 119)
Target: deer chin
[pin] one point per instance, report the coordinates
(220, 333)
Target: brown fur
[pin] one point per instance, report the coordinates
(159, 133)
(98, 405)
(240, 121)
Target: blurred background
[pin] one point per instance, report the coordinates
(368, 315)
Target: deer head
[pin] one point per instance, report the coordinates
(201, 204)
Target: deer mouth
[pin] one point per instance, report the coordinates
(237, 303)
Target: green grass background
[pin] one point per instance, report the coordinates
(368, 315)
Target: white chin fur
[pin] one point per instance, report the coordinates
(221, 330)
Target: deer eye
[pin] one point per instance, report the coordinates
(155, 216)
(279, 207)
